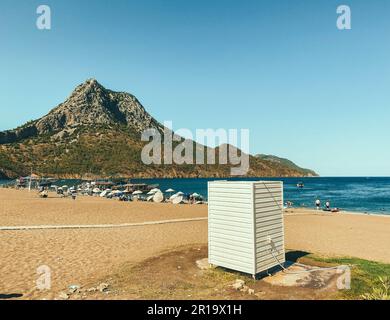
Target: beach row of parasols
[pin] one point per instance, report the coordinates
(155, 194)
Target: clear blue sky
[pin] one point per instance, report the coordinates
(306, 90)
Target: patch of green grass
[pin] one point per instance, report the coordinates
(365, 275)
(219, 275)
(223, 277)
(381, 292)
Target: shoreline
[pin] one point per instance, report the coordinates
(350, 212)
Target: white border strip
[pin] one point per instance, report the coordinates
(99, 226)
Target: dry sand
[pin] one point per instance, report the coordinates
(340, 234)
(21, 208)
(86, 256)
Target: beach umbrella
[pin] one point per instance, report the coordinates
(196, 195)
(173, 196)
(158, 197)
(155, 190)
(104, 193)
(151, 192)
(136, 193)
(170, 191)
(65, 187)
(177, 200)
(179, 194)
(96, 190)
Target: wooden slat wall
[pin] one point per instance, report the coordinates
(231, 241)
(269, 223)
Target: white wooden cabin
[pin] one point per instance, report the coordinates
(246, 225)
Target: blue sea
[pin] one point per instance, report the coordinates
(371, 195)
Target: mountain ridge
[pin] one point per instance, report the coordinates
(285, 162)
(96, 132)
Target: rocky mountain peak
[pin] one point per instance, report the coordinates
(90, 104)
(89, 86)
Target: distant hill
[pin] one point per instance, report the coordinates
(287, 163)
(95, 133)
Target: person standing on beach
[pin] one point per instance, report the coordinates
(318, 204)
(327, 205)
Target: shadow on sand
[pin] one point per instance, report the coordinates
(291, 258)
(294, 256)
(10, 296)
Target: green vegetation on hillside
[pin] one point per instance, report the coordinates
(108, 151)
(287, 163)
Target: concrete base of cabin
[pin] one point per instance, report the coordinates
(299, 275)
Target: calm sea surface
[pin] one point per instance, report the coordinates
(354, 194)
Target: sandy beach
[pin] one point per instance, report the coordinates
(86, 256)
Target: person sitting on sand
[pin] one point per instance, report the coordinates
(318, 204)
(289, 204)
